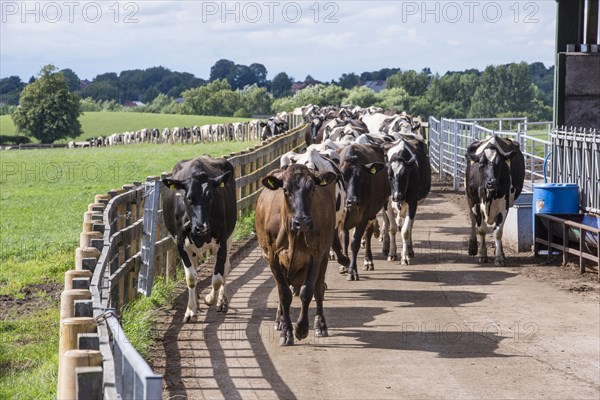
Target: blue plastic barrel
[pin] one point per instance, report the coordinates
(555, 198)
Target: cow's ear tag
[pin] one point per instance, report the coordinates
(172, 187)
(270, 181)
(323, 182)
(222, 184)
(373, 171)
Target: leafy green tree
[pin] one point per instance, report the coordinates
(72, 79)
(348, 81)
(101, 91)
(223, 69)
(255, 100)
(260, 72)
(10, 90)
(393, 99)
(281, 85)
(414, 83)
(361, 96)
(215, 98)
(48, 111)
(502, 89)
(244, 76)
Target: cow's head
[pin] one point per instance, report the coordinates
(298, 184)
(315, 125)
(273, 127)
(400, 167)
(356, 175)
(198, 193)
(492, 169)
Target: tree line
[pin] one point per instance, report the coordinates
(517, 89)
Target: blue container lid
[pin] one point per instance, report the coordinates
(553, 185)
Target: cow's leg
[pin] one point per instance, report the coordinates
(393, 253)
(221, 270)
(481, 231)
(306, 294)
(320, 325)
(336, 247)
(368, 262)
(189, 264)
(500, 260)
(355, 247)
(475, 216)
(385, 233)
(345, 242)
(282, 319)
(406, 233)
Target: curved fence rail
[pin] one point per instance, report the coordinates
(96, 361)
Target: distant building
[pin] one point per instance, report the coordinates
(376, 86)
(83, 84)
(298, 86)
(131, 104)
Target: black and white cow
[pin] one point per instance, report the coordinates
(409, 171)
(200, 214)
(367, 192)
(273, 127)
(494, 180)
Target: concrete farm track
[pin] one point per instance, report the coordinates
(443, 327)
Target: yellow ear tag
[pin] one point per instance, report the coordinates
(373, 171)
(270, 181)
(172, 187)
(323, 182)
(222, 184)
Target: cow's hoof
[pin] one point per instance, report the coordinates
(286, 339)
(392, 257)
(320, 327)
(483, 260)
(223, 305)
(500, 262)
(301, 331)
(343, 270)
(472, 247)
(405, 261)
(352, 276)
(332, 256)
(368, 265)
(344, 261)
(189, 316)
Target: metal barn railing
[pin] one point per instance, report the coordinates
(109, 261)
(576, 154)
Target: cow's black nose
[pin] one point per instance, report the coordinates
(302, 224)
(351, 201)
(200, 229)
(397, 197)
(491, 183)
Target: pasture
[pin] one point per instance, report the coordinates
(43, 195)
(105, 123)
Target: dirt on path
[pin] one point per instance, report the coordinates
(443, 327)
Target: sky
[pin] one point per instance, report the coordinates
(322, 38)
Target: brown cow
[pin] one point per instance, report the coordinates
(295, 216)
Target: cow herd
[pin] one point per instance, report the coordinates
(240, 131)
(325, 201)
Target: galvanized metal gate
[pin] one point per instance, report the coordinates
(151, 206)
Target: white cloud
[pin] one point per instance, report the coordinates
(184, 36)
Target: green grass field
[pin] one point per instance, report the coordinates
(43, 195)
(96, 124)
